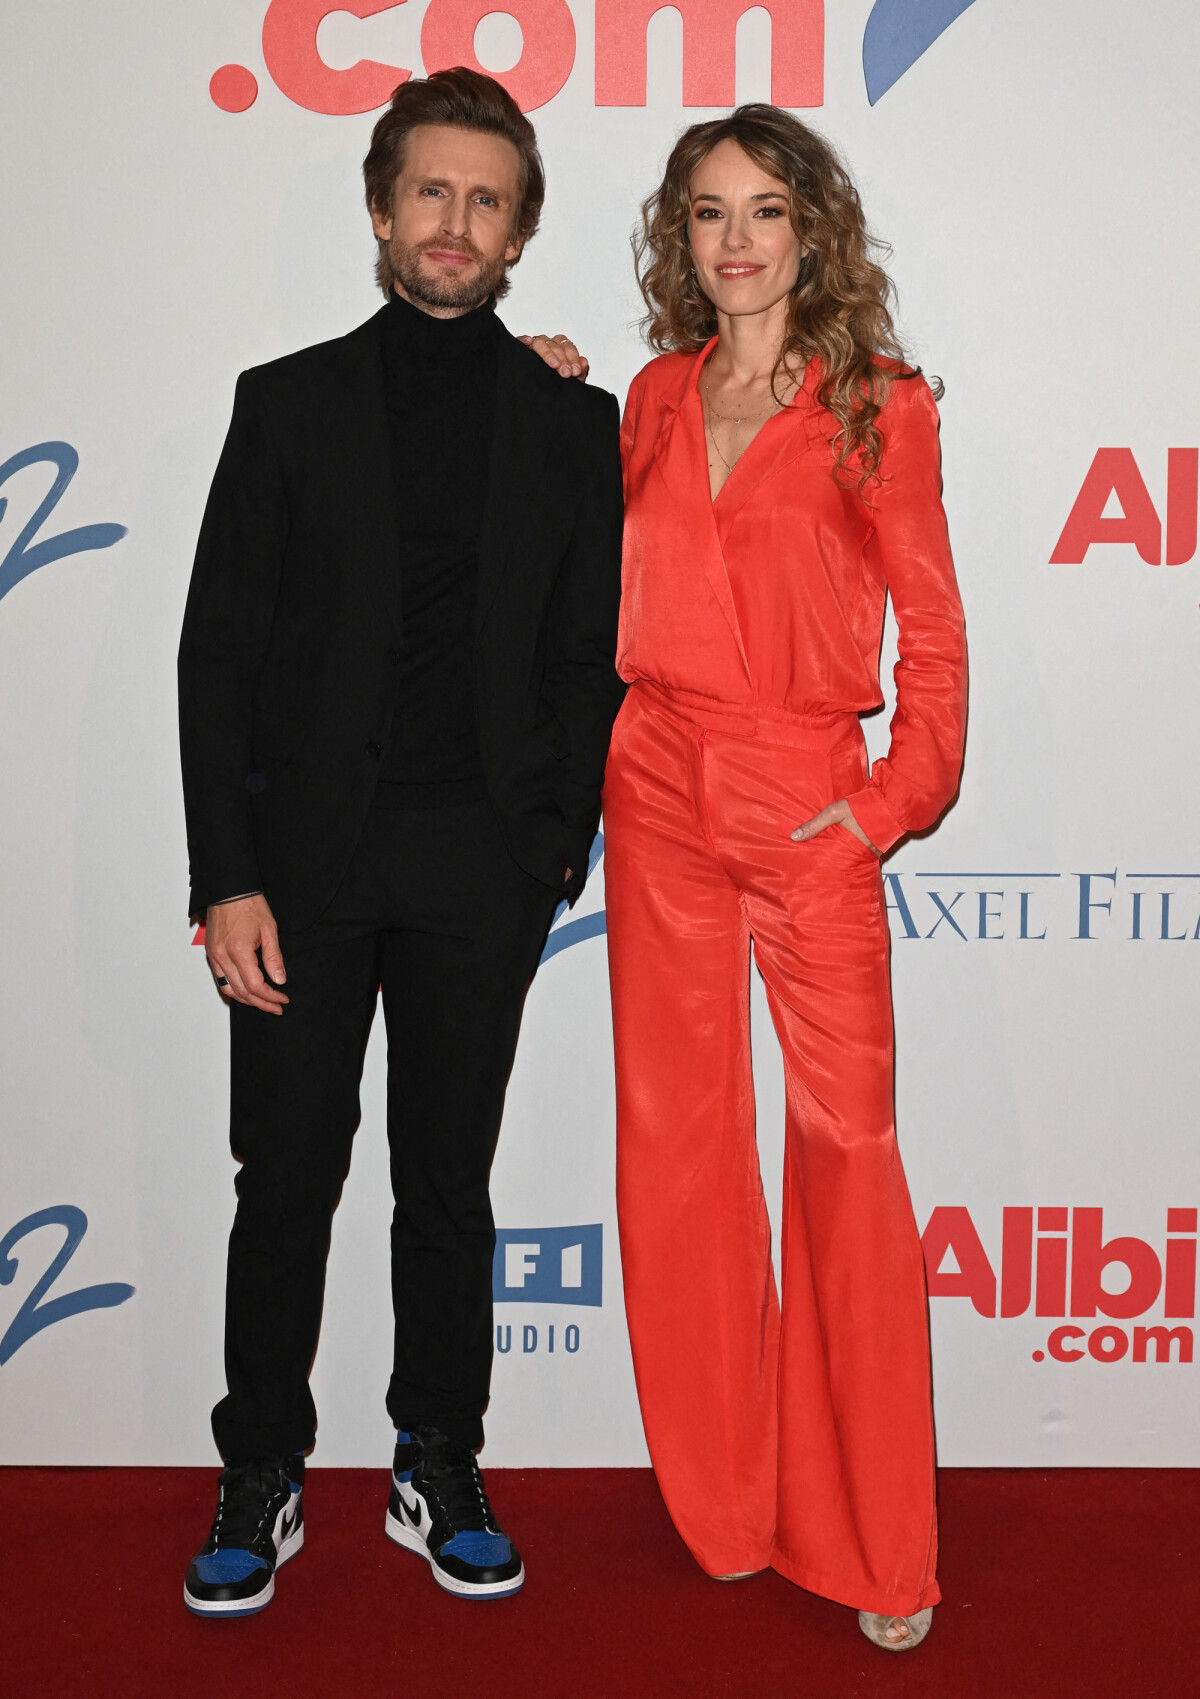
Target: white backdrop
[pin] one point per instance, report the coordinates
(1032, 171)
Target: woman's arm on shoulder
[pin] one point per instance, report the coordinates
(559, 353)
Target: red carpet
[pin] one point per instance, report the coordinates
(1072, 1582)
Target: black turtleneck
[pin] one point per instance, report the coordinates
(440, 382)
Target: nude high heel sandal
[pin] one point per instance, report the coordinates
(875, 1628)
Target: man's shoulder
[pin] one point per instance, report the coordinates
(309, 368)
(591, 407)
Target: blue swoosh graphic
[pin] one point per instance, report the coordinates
(898, 32)
(587, 926)
(574, 932)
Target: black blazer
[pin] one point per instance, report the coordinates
(293, 624)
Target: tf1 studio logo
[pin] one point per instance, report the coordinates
(898, 33)
(546, 1265)
(1060, 1270)
(549, 1265)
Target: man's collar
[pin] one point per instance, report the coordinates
(430, 338)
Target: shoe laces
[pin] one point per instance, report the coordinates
(449, 1474)
(248, 1492)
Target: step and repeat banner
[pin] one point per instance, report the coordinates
(181, 198)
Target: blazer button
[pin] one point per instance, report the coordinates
(373, 750)
(393, 654)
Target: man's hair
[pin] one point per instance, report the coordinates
(465, 100)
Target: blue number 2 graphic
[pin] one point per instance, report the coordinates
(33, 1315)
(21, 560)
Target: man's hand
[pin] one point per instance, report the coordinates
(560, 353)
(233, 933)
(836, 814)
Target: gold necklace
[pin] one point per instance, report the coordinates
(742, 418)
(710, 412)
(711, 435)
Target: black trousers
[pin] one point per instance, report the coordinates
(435, 910)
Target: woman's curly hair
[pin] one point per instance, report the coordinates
(840, 309)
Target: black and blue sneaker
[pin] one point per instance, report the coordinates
(259, 1524)
(438, 1508)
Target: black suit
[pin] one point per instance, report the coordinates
(288, 666)
(294, 623)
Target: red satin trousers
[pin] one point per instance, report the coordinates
(801, 1435)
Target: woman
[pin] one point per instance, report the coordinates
(782, 477)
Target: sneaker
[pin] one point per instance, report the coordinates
(438, 1508)
(259, 1524)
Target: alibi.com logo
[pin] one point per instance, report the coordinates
(546, 1265)
(1114, 505)
(1057, 1262)
(898, 33)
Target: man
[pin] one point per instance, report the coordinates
(396, 693)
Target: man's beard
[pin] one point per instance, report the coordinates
(462, 293)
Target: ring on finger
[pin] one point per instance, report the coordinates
(221, 979)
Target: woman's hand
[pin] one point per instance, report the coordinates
(560, 353)
(836, 814)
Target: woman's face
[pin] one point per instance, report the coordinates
(746, 254)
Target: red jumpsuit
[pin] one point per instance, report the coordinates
(801, 1436)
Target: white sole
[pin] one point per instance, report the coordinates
(412, 1541)
(247, 1607)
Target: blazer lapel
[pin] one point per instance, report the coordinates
(681, 454)
(361, 453)
(781, 440)
(522, 438)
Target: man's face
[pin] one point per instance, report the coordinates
(450, 231)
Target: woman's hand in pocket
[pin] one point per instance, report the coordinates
(835, 814)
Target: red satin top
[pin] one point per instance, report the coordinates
(770, 599)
